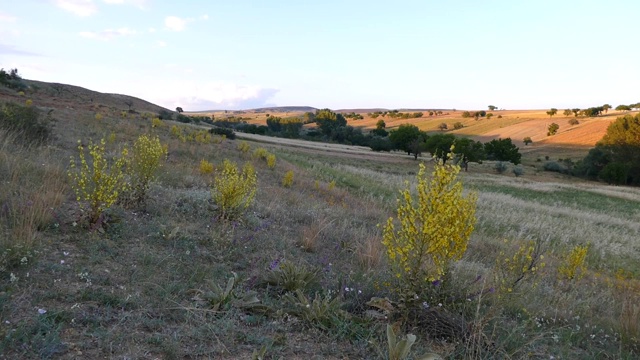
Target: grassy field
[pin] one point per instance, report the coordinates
(151, 281)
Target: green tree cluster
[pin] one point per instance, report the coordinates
(616, 157)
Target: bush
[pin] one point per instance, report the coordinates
(573, 267)
(12, 80)
(26, 122)
(287, 180)
(229, 133)
(554, 167)
(97, 185)
(574, 121)
(553, 129)
(442, 126)
(156, 122)
(244, 147)
(147, 154)
(527, 140)
(500, 167)
(233, 191)
(205, 167)
(518, 171)
(435, 228)
(614, 173)
(380, 144)
(466, 114)
(458, 125)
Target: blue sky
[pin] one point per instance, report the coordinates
(463, 54)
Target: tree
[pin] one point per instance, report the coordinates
(467, 150)
(402, 137)
(179, 110)
(129, 103)
(527, 140)
(380, 129)
(274, 123)
(606, 108)
(552, 112)
(466, 114)
(489, 115)
(442, 126)
(593, 111)
(623, 108)
(552, 129)
(502, 150)
(567, 112)
(439, 145)
(492, 108)
(328, 121)
(575, 111)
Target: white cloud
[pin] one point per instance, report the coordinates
(161, 43)
(7, 18)
(142, 4)
(175, 23)
(152, 30)
(78, 7)
(107, 34)
(204, 17)
(216, 95)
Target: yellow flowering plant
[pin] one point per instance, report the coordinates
(233, 191)
(147, 155)
(98, 182)
(432, 227)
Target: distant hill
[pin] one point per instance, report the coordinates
(55, 95)
(366, 111)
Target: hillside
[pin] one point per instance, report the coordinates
(61, 96)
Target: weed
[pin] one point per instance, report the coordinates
(97, 186)
(291, 277)
(434, 228)
(233, 191)
(146, 159)
(205, 167)
(244, 147)
(573, 267)
(287, 179)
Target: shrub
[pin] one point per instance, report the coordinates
(434, 228)
(228, 133)
(271, 161)
(165, 115)
(553, 129)
(458, 125)
(97, 185)
(554, 167)
(527, 140)
(156, 122)
(525, 263)
(500, 167)
(572, 267)
(466, 114)
(244, 147)
(499, 116)
(442, 126)
(287, 180)
(233, 191)
(518, 171)
(146, 159)
(26, 122)
(574, 121)
(205, 167)
(98, 116)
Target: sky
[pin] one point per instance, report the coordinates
(338, 54)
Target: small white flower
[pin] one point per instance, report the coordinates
(61, 261)
(42, 311)
(74, 224)
(65, 253)
(13, 278)
(440, 304)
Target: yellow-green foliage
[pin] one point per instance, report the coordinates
(21, 93)
(98, 116)
(332, 185)
(260, 153)
(233, 191)
(147, 156)
(287, 180)
(175, 131)
(244, 147)
(112, 138)
(123, 114)
(316, 185)
(97, 183)
(206, 167)
(28, 102)
(271, 161)
(524, 263)
(434, 227)
(157, 123)
(573, 266)
(269, 158)
(202, 137)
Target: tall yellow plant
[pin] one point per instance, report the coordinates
(432, 227)
(233, 191)
(147, 156)
(98, 183)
